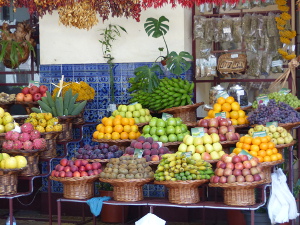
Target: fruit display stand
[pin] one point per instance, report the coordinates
(50, 138)
(183, 192)
(127, 190)
(9, 180)
(187, 113)
(27, 105)
(121, 143)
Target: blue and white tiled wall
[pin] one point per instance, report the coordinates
(97, 76)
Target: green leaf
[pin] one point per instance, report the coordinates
(156, 28)
(177, 63)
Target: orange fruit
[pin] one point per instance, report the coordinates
(239, 144)
(237, 150)
(98, 127)
(241, 113)
(118, 117)
(254, 148)
(234, 115)
(241, 121)
(108, 129)
(211, 113)
(234, 121)
(226, 107)
(242, 139)
(115, 135)
(246, 119)
(127, 128)
(107, 136)
(263, 146)
(279, 156)
(248, 140)
(274, 150)
(134, 128)
(138, 134)
(102, 129)
(116, 121)
(235, 106)
(264, 139)
(246, 146)
(124, 121)
(269, 152)
(104, 119)
(229, 100)
(267, 158)
(221, 100)
(261, 159)
(118, 128)
(268, 138)
(131, 121)
(132, 135)
(274, 157)
(227, 114)
(108, 122)
(100, 135)
(124, 135)
(253, 153)
(217, 107)
(95, 134)
(271, 145)
(256, 141)
(207, 117)
(262, 153)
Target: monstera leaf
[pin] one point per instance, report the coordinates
(156, 28)
(177, 63)
(147, 77)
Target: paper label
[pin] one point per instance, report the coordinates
(243, 152)
(112, 107)
(223, 94)
(197, 131)
(221, 114)
(276, 63)
(166, 116)
(259, 134)
(33, 83)
(233, 56)
(275, 123)
(138, 153)
(231, 149)
(187, 154)
(262, 100)
(240, 92)
(284, 91)
(226, 30)
(133, 103)
(159, 143)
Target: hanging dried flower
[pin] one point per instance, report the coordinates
(285, 16)
(283, 8)
(280, 21)
(281, 2)
(285, 40)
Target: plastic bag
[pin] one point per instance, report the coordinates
(218, 29)
(227, 28)
(209, 32)
(271, 25)
(254, 26)
(261, 26)
(237, 29)
(254, 62)
(266, 63)
(206, 67)
(199, 27)
(246, 25)
(277, 64)
(204, 49)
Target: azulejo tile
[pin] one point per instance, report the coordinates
(56, 68)
(67, 67)
(79, 67)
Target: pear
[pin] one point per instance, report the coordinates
(196, 156)
(200, 149)
(214, 155)
(208, 148)
(191, 148)
(207, 139)
(217, 146)
(198, 141)
(182, 147)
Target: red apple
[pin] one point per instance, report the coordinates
(239, 166)
(95, 165)
(25, 90)
(216, 179)
(227, 172)
(56, 173)
(253, 162)
(81, 168)
(221, 164)
(243, 157)
(36, 97)
(91, 173)
(63, 162)
(223, 179)
(43, 89)
(62, 173)
(223, 130)
(84, 162)
(223, 157)
(223, 122)
(70, 163)
(222, 137)
(249, 178)
(76, 174)
(28, 98)
(73, 168)
(203, 123)
(237, 172)
(83, 173)
(67, 169)
(53, 173)
(228, 159)
(236, 159)
(78, 162)
(256, 177)
(57, 167)
(245, 172)
(254, 171)
(99, 170)
(219, 172)
(34, 89)
(230, 165)
(88, 167)
(240, 178)
(231, 179)
(20, 97)
(247, 164)
(69, 174)
(96, 172)
(213, 122)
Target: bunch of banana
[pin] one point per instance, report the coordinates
(171, 92)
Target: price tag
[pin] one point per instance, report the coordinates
(221, 114)
(112, 107)
(226, 30)
(243, 152)
(197, 131)
(240, 92)
(259, 134)
(133, 103)
(233, 56)
(138, 153)
(284, 91)
(187, 154)
(276, 63)
(159, 143)
(275, 123)
(166, 116)
(262, 100)
(223, 94)
(33, 83)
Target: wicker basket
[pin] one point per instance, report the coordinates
(28, 106)
(267, 169)
(121, 143)
(183, 192)
(285, 145)
(239, 194)
(66, 122)
(7, 106)
(32, 157)
(50, 138)
(9, 181)
(127, 190)
(227, 64)
(187, 113)
(77, 187)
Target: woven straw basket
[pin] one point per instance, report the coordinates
(50, 138)
(239, 194)
(267, 169)
(127, 190)
(187, 113)
(9, 181)
(77, 187)
(183, 192)
(67, 133)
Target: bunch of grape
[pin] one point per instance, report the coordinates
(280, 112)
(289, 99)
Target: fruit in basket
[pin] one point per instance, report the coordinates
(165, 131)
(12, 162)
(279, 135)
(280, 112)
(135, 111)
(44, 122)
(260, 147)
(232, 110)
(289, 99)
(76, 168)
(7, 98)
(237, 168)
(99, 151)
(117, 128)
(127, 167)
(33, 93)
(178, 166)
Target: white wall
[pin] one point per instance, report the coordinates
(69, 45)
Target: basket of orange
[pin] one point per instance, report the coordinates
(116, 130)
(232, 110)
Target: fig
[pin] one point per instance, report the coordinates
(102, 174)
(121, 176)
(129, 176)
(123, 171)
(113, 176)
(141, 170)
(138, 176)
(148, 169)
(133, 171)
(115, 171)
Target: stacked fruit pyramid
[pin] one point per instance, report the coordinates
(116, 128)
(232, 110)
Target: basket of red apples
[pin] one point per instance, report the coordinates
(77, 177)
(238, 175)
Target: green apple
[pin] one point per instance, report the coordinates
(160, 131)
(124, 108)
(153, 131)
(9, 127)
(283, 134)
(163, 139)
(146, 129)
(180, 137)
(280, 141)
(138, 106)
(215, 137)
(137, 120)
(5, 155)
(178, 130)
(258, 128)
(147, 118)
(266, 129)
(116, 112)
(172, 137)
(270, 134)
(7, 119)
(152, 122)
(184, 127)
(160, 123)
(272, 128)
(136, 114)
(200, 149)
(131, 108)
(171, 121)
(274, 140)
(251, 131)
(155, 137)
(170, 130)
(196, 156)
(178, 121)
(1, 112)
(120, 107)
(11, 163)
(189, 140)
(221, 153)
(147, 112)
(128, 114)
(2, 129)
(122, 114)
(207, 139)
(1, 157)
(142, 112)
(276, 135)
(142, 119)
(191, 148)
(21, 161)
(280, 129)
(182, 147)
(146, 135)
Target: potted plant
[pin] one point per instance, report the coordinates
(15, 47)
